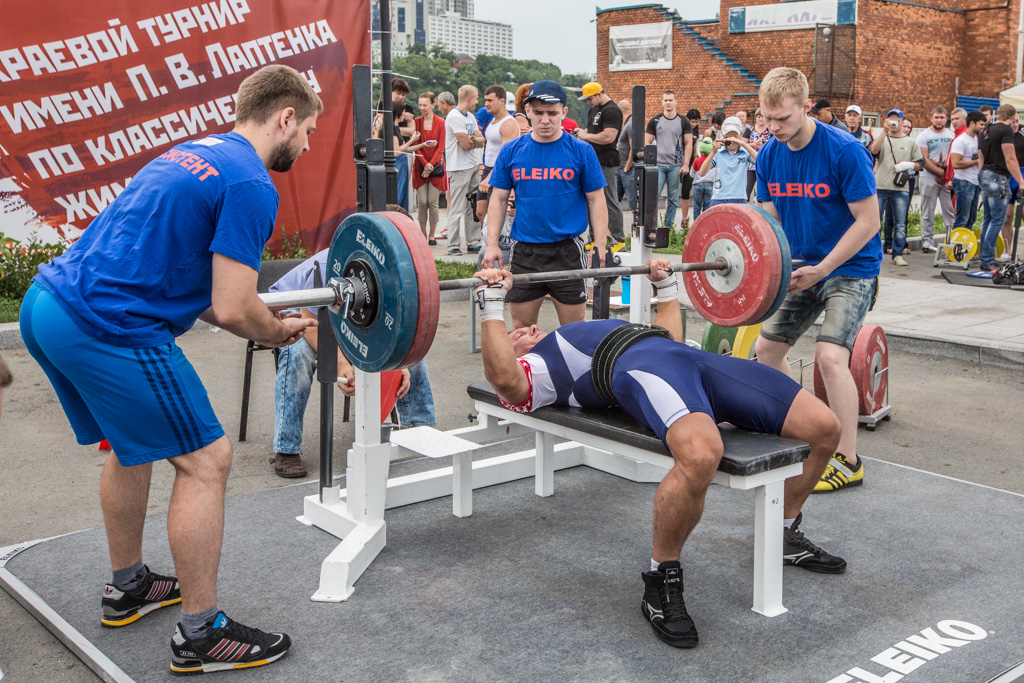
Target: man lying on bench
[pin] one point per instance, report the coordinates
(679, 392)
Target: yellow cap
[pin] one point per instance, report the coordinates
(590, 89)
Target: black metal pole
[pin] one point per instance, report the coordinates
(326, 375)
(385, 97)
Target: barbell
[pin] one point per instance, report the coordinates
(383, 294)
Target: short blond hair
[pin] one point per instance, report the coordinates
(272, 89)
(467, 91)
(782, 82)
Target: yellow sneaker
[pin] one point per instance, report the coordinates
(840, 474)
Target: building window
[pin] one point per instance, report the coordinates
(401, 20)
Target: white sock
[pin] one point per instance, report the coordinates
(788, 523)
(654, 565)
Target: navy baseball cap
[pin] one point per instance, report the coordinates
(546, 91)
(898, 112)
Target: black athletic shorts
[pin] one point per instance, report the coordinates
(685, 187)
(531, 257)
(484, 196)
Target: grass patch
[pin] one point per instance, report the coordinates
(454, 270)
(9, 310)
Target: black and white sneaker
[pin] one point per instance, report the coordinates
(663, 606)
(121, 608)
(227, 645)
(800, 552)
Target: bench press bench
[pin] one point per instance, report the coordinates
(616, 443)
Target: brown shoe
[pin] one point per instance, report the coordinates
(288, 465)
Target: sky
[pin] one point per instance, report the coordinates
(561, 32)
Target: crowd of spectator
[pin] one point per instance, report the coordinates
(960, 161)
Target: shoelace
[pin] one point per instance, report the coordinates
(241, 632)
(672, 605)
(797, 538)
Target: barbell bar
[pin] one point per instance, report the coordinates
(337, 291)
(383, 294)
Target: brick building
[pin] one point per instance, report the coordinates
(878, 54)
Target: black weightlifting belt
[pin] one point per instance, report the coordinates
(611, 347)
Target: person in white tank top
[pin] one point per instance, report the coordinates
(502, 128)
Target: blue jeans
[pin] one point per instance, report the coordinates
(966, 194)
(702, 197)
(899, 200)
(669, 175)
(416, 408)
(995, 190)
(626, 180)
(716, 202)
(295, 367)
(402, 166)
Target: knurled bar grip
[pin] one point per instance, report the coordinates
(555, 275)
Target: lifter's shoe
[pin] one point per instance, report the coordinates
(800, 552)
(663, 606)
(227, 645)
(840, 474)
(121, 608)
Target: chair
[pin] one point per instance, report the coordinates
(270, 272)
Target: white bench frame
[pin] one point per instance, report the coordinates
(356, 514)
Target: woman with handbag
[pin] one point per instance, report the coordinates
(428, 171)
(897, 155)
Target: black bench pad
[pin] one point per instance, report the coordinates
(746, 452)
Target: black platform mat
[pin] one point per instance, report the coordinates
(970, 279)
(545, 589)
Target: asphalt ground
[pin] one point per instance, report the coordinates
(950, 417)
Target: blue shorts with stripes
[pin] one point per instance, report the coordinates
(659, 380)
(148, 403)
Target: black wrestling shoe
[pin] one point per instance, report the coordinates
(121, 608)
(227, 645)
(800, 552)
(663, 606)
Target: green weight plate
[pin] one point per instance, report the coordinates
(718, 339)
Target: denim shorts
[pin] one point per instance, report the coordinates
(845, 301)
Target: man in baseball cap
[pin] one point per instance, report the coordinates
(546, 91)
(604, 123)
(559, 192)
(822, 110)
(854, 116)
(589, 90)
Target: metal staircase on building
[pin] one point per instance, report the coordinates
(711, 45)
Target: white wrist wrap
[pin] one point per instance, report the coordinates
(667, 288)
(491, 301)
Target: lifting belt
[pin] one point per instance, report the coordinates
(611, 347)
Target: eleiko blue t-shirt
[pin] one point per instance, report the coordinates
(551, 180)
(731, 182)
(811, 189)
(141, 274)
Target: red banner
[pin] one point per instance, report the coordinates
(91, 91)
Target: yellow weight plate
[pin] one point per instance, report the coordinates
(743, 346)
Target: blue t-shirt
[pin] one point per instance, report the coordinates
(141, 274)
(812, 187)
(551, 180)
(731, 182)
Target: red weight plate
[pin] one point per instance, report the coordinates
(742, 235)
(426, 285)
(819, 383)
(390, 380)
(869, 364)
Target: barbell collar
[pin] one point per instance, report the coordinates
(581, 273)
(303, 298)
